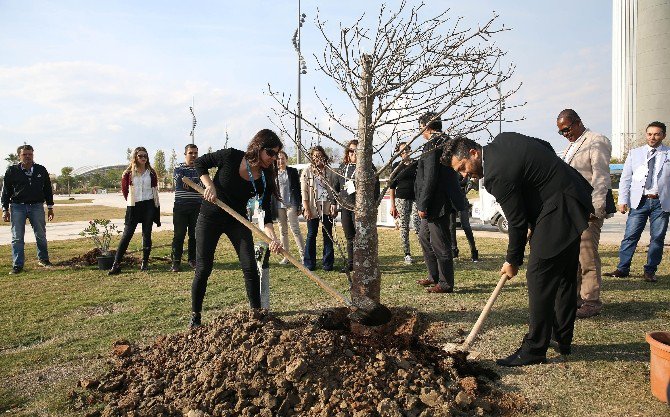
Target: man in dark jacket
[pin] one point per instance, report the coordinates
(25, 189)
(437, 196)
(536, 190)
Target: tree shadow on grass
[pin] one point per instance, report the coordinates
(611, 352)
(634, 311)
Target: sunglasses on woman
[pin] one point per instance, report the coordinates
(271, 152)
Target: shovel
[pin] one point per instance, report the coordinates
(366, 311)
(465, 346)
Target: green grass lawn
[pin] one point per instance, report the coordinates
(58, 325)
(73, 201)
(76, 213)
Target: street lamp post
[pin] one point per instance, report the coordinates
(195, 122)
(302, 69)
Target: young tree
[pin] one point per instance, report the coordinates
(173, 164)
(390, 76)
(159, 166)
(66, 177)
(12, 159)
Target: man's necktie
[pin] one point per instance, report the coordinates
(651, 163)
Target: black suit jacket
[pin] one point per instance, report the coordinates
(536, 189)
(436, 188)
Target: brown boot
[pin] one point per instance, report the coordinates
(586, 311)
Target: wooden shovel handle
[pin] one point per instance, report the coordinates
(485, 312)
(259, 233)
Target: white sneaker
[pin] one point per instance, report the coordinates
(408, 260)
(283, 261)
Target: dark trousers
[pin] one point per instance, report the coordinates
(143, 212)
(310, 243)
(435, 242)
(552, 285)
(348, 225)
(465, 225)
(207, 234)
(184, 218)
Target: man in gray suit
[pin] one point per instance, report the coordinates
(589, 153)
(645, 190)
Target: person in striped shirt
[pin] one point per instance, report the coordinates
(186, 208)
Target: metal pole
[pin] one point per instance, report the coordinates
(299, 127)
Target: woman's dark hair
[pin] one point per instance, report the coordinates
(347, 158)
(319, 148)
(265, 139)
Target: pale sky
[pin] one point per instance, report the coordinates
(82, 81)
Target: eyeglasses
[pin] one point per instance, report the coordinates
(143, 156)
(566, 130)
(271, 152)
(351, 150)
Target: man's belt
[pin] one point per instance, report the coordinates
(652, 196)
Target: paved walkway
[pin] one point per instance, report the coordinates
(612, 230)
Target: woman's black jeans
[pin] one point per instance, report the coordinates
(349, 226)
(142, 212)
(208, 230)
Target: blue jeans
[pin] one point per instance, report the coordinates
(309, 259)
(649, 208)
(35, 213)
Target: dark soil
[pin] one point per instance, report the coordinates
(90, 258)
(255, 364)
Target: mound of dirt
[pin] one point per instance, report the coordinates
(254, 364)
(90, 258)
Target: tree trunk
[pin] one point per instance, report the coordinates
(366, 278)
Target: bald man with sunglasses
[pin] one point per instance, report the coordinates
(589, 153)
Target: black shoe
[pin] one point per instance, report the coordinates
(454, 252)
(475, 255)
(195, 320)
(650, 277)
(617, 273)
(346, 269)
(520, 358)
(45, 263)
(559, 348)
(116, 270)
(144, 266)
(192, 264)
(176, 267)
(16, 270)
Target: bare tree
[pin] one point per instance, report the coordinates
(390, 76)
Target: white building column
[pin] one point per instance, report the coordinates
(624, 95)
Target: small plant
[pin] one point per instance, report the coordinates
(101, 232)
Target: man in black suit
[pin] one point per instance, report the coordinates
(437, 196)
(536, 190)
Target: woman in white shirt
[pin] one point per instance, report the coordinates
(139, 185)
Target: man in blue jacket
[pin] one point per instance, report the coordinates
(644, 189)
(25, 189)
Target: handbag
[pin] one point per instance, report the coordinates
(610, 206)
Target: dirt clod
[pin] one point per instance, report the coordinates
(254, 364)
